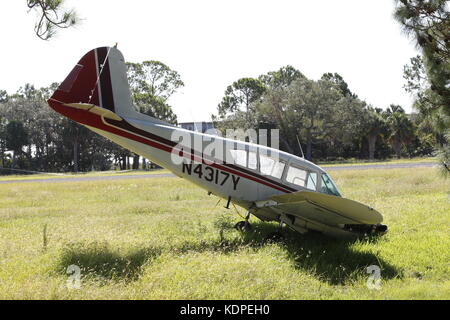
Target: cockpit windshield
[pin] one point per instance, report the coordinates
(328, 186)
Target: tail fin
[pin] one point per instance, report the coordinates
(99, 79)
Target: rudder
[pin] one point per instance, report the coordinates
(99, 78)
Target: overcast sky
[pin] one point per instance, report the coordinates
(213, 43)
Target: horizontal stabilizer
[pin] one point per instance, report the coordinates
(94, 109)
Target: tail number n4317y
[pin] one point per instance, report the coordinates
(211, 174)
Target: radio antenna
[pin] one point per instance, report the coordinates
(299, 144)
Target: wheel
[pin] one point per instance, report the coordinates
(381, 228)
(243, 226)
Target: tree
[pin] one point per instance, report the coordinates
(400, 127)
(154, 106)
(258, 103)
(3, 96)
(28, 105)
(240, 95)
(155, 78)
(273, 112)
(73, 135)
(326, 118)
(281, 78)
(376, 127)
(432, 117)
(52, 16)
(152, 83)
(339, 82)
(304, 108)
(345, 132)
(54, 142)
(2, 139)
(314, 102)
(16, 137)
(428, 23)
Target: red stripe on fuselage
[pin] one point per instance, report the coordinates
(124, 125)
(93, 120)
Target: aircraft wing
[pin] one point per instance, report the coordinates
(323, 208)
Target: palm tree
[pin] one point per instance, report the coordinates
(376, 127)
(400, 127)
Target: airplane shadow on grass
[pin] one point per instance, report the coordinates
(331, 260)
(101, 262)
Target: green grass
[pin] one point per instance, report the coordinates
(358, 162)
(349, 162)
(163, 238)
(39, 176)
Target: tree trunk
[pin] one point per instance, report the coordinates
(372, 139)
(29, 154)
(308, 144)
(397, 145)
(75, 155)
(124, 163)
(46, 157)
(13, 164)
(287, 145)
(136, 162)
(2, 154)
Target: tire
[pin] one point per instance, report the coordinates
(243, 226)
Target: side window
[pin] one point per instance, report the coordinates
(244, 158)
(252, 160)
(266, 164)
(328, 186)
(239, 157)
(296, 176)
(271, 167)
(312, 181)
(278, 169)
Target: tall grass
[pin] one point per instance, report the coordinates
(163, 238)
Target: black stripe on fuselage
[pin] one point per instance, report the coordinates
(105, 79)
(127, 126)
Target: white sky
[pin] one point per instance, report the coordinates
(213, 43)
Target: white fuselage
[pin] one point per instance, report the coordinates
(242, 184)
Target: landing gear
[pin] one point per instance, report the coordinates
(381, 228)
(244, 226)
(367, 229)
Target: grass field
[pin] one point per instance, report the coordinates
(350, 162)
(38, 176)
(163, 238)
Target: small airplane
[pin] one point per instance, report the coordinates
(270, 184)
